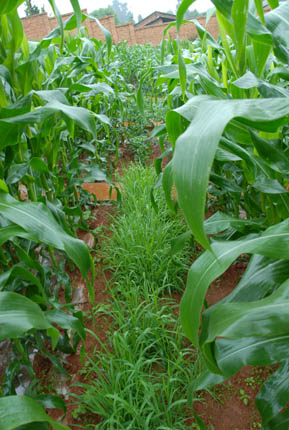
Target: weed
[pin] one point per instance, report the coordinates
(138, 379)
(140, 147)
(251, 382)
(244, 396)
(140, 248)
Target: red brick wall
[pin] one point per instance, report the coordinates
(38, 26)
(126, 32)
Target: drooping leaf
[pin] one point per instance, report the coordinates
(277, 21)
(18, 314)
(16, 411)
(41, 226)
(106, 33)
(274, 394)
(202, 138)
(272, 243)
(9, 5)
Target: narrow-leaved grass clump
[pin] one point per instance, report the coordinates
(140, 247)
(140, 377)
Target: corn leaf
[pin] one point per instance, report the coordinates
(273, 243)
(41, 226)
(16, 411)
(274, 394)
(18, 314)
(196, 148)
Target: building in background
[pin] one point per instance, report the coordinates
(156, 18)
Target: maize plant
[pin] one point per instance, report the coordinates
(228, 129)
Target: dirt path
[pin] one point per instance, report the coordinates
(229, 406)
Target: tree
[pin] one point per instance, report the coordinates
(178, 4)
(139, 18)
(105, 11)
(31, 9)
(122, 11)
(190, 14)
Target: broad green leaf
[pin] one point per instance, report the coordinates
(51, 402)
(64, 320)
(283, 72)
(280, 422)
(263, 318)
(274, 394)
(224, 6)
(225, 184)
(18, 271)
(106, 33)
(240, 152)
(182, 9)
(269, 151)
(41, 226)
(82, 117)
(273, 243)
(3, 186)
(196, 148)
(20, 107)
(16, 172)
(206, 379)
(49, 96)
(277, 21)
(262, 276)
(16, 411)
(7, 233)
(269, 186)
(273, 3)
(225, 26)
(232, 354)
(223, 155)
(39, 165)
(202, 32)
(93, 89)
(190, 71)
(179, 242)
(9, 5)
(267, 90)
(94, 173)
(221, 221)
(75, 20)
(19, 315)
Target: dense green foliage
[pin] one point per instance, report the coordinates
(228, 127)
(69, 105)
(63, 106)
(140, 248)
(144, 368)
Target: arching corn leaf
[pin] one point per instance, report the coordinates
(41, 226)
